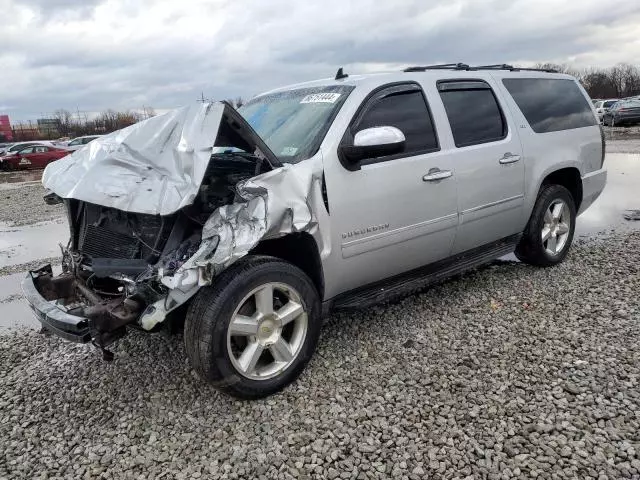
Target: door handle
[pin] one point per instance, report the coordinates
(509, 158)
(436, 174)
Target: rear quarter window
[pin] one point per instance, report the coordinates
(552, 104)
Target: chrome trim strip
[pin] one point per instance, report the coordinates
(492, 204)
(406, 228)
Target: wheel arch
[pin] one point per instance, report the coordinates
(299, 249)
(570, 179)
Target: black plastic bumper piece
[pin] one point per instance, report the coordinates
(53, 319)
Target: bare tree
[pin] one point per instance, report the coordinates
(65, 122)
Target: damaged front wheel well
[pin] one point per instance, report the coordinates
(301, 250)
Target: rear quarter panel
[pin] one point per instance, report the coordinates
(544, 153)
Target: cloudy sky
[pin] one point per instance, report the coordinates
(98, 54)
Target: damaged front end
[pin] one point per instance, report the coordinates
(155, 212)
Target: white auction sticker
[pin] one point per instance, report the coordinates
(328, 97)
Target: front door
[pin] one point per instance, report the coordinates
(487, 155)
(390, 214)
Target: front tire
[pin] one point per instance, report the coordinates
(549, 233)
(252, 333)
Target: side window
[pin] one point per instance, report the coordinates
(25, 151)
(473, 111)
(78, 141)
(87, 140)
(403, 108)
(40, 149)
(551, 104)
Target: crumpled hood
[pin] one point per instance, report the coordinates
(155, 166)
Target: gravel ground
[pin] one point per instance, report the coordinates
(508, 372)
(32, 265)
(24, 206)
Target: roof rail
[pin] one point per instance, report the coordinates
(464, 66)
(498, 66)
(444, 66)
(547, 70)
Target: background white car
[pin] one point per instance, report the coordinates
(79, 142)
(14, 147)
(603, 106)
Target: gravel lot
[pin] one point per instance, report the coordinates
(508, 372)
(24, 206)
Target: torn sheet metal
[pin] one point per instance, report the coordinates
(155, 166)
(276, 204)
(273, 204)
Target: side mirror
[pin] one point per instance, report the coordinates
(374, 142)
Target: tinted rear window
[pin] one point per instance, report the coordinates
(550, 105)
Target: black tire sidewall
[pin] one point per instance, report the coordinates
(212, 312)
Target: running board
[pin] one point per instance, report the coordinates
(414, 280)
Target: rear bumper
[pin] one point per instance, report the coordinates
(593, 184)
(70, 327)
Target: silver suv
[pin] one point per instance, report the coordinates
(249, 226)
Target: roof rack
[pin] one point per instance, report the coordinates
(444, 66)
(464, 66)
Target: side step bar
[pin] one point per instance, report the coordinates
(414, 280)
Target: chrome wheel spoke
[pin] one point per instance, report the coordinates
(243, 326)
(250, 356)
(563, 228)
(558, 208)
(552, 243)
(281, 351)
(548, 218)
(546, 233)
(264, 300)
(290, 311)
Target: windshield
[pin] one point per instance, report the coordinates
(293, 123)
(609, 103)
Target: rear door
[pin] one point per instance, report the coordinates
(40, 156)
(386, 216)
(487, 157)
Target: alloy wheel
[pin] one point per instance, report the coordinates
(556, 227)
(267, 331)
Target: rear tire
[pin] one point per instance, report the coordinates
(253, 331)
(549, 233)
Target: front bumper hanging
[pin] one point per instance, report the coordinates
(39, 288)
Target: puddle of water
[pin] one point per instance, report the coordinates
(14, 310)
(11, 180)
(24, 244)
(620, 194)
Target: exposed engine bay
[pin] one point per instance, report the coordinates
(115, 260)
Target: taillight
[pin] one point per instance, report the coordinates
(604, 146)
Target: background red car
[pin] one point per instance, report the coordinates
(34, 156)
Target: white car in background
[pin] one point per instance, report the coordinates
(79, 142)
(15, 147)
(603, 106)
